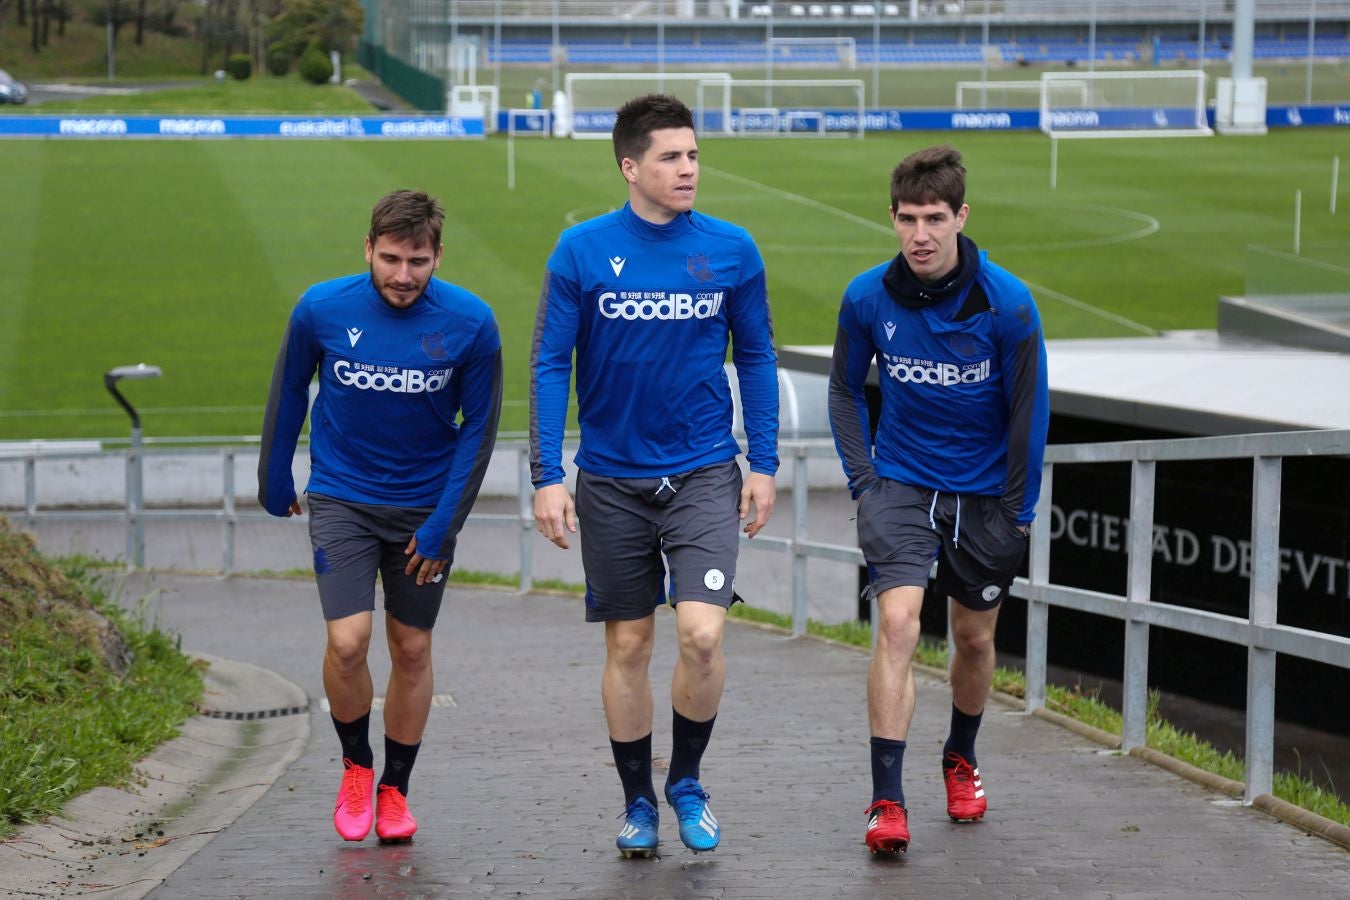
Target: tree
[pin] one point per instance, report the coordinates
(334, 24)
(168, 13)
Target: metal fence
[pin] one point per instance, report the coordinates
(1259, 631)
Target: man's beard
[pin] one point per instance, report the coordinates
(380, 288)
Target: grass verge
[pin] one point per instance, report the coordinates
(1088, 708)
(69, 719)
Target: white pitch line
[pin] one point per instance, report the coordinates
(1151, 225)
(1042, 290)
(583, 213)
(806, 201)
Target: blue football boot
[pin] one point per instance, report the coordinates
(638, 837)
(698, 826)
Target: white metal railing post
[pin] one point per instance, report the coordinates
(1134, 698)
(1262, 612)
(800, 488)
(227, 489)
(1038, 611)
(524, 490)
(30, 485)
(135, 498)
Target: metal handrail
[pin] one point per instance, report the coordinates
(1260, 631)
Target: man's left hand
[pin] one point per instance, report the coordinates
(428, 570)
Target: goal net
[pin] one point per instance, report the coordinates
(594, 97)
(1125, 104)
(1068, 93)
(786, 107)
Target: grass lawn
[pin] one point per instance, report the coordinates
(259, 94)
(190, 254)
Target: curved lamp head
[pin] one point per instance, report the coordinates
(138, 372)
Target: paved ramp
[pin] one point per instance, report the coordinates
(516, 793)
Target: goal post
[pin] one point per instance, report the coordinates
(1025, 94)
(1125, 104)
(522, 123)
(725, 106)
(798, 107)
(475, 101)
(594, 97)
(820, 52)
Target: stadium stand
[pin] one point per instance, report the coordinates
(1060, 50)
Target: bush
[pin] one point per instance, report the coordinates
(239, 66)
(278, 59)
(315, 66)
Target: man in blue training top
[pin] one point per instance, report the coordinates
(647, 298)
(400, 355)
(954, 470)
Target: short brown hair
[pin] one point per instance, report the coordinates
(407, 216)
(931, 175)
(639, 117)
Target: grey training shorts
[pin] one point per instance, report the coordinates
(353, 541)
(903, 529)
(628, 523)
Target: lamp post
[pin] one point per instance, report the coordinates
(135, 497)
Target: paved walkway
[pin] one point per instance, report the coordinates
(516, 793)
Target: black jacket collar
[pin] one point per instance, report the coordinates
(907, 290)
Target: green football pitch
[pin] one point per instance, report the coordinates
(189, 254)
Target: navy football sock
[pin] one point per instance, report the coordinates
(888, 760)
(961, 740)
(633, 759)
(689, 740)
(355, 738)
(398, 763)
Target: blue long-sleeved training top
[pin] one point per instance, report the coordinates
(649, 310)
(965, 401)
(391, 385)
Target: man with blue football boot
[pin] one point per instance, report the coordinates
(648, 298)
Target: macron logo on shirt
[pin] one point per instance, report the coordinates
(354, 335)
(617, 264)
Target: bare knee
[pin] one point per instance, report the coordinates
(628, 648)
(410, 650)
(701, 645)
(973, 641)
(898, 632)
(347, 652)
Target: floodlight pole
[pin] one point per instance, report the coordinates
(135, 491)
(556, 49)
(1312, 48)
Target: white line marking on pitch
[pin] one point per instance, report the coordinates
(1151, 225)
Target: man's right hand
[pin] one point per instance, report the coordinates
(296, 509)
(554, 514)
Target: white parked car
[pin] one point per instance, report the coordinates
(11, 91)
